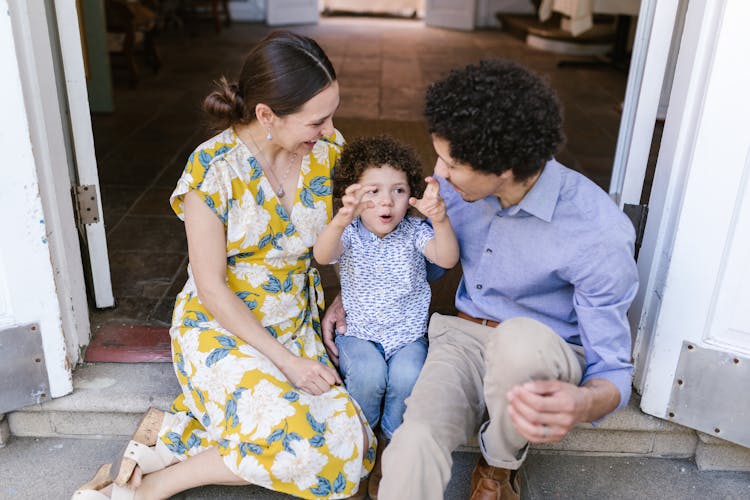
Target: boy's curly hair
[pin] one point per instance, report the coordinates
(368, 152)
(496, 116)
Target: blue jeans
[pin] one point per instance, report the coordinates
(374, 382)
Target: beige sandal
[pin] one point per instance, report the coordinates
(92, 489)
(144, 450)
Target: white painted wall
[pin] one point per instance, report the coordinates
(486, 10)
(247, 10)
(28, 288)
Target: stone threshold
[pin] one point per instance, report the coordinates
(109, 399)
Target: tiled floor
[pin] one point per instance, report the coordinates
(384, 66)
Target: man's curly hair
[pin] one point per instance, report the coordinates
(496, 116)
(367, 152)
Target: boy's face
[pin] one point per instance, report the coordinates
(389, 192)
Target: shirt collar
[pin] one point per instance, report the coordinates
(368, 235)
(541, 199)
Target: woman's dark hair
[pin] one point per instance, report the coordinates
(496, 116)
(283, 71)
(368, 152)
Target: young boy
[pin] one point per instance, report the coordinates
(381, 253)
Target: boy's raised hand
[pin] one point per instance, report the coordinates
(353, 203)
(431, 204)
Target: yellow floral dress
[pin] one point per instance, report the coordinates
(268, 432)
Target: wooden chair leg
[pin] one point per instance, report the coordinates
(227, 17)
(128, 51)
(150, 51)
(215, 14)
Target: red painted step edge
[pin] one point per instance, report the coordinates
(130, 344)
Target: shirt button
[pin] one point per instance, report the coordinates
(489, 250)
(479, 287)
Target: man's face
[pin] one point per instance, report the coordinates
(471, 184)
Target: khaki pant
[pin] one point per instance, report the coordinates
(461, 391)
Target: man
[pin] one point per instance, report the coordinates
(541, 341)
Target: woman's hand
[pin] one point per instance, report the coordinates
(334, 322)
(431, 204)
(310, 376)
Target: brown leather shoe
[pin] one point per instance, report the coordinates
(494, 483)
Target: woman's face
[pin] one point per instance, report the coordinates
(301, 130)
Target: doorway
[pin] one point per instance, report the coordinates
(384, 67)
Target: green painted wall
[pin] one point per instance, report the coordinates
(99, 75)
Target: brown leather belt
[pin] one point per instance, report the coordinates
(485, 322)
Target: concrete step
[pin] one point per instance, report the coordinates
(34, 468)
(109, 399)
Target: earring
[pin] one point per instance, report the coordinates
(269, 137)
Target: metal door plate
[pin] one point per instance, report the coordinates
(710, 393)
(23, 372)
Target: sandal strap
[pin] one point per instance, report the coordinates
(122, 493)
(149, 458)
(89, 495)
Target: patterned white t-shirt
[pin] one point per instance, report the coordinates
(384, 283)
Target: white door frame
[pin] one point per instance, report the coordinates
(672, 167)
(648, 63)
(52, 77)
(82, 138)
(42, 268)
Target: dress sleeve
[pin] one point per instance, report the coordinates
(207, 175)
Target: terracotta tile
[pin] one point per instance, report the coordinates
(149, 234)
(133, 310)
(117, 200)
(155, 201)
(115, 343)
(143, 274)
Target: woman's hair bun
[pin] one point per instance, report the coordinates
(225, 105)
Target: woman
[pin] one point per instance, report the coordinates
(261, 402)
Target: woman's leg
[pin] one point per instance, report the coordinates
(200, 470)
(403, 369)
(364, 371)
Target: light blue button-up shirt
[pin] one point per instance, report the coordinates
(384, 285)
(563, 256)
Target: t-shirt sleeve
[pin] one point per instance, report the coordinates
(346, 237)
(209, 178)
(346, 240)
(423, 233)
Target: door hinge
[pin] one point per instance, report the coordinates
(637, 215)
(87, 204)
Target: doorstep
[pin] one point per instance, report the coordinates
(110, 398)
